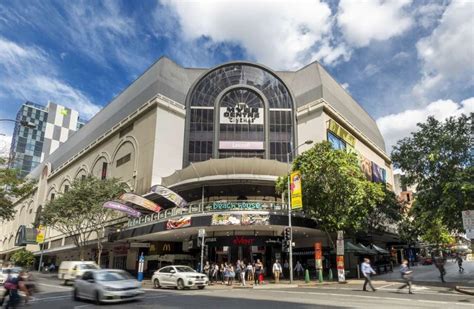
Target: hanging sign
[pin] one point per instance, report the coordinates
(296, 190)
(169, 195)
(179, 223)
(123, 208)
(140, 201)
(318, 255)
(40, 234)
(241, 113)
(341, 132)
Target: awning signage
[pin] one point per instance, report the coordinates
(237, 219)
(236, 206)
(179, 223)
(122, 208)
(140, 201)
(341, 132)
(169, 195)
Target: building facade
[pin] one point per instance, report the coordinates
(217, 137)
(30, 146)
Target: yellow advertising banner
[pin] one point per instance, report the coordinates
(341, 132)
(40, 234)
(296, 190)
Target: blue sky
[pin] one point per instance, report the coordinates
(401, 60)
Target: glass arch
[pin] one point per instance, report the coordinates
(229, 86)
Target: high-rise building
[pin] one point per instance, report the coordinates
(53, 126)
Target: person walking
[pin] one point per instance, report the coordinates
(238, 270)
(242, 273)
(407, 276)
(286, 269)
(460, 260)
(299, 269)
(222, 273)
(258, 271)
(367, 271)
(250, 272)
(231, 271)
(277, 271)
(206, 268)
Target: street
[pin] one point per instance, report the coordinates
(54, 295)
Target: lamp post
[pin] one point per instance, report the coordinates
(308, 142)
(24, 123)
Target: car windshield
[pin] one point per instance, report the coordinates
(185, 269)
(88, 266)
(11, 270)
(113, 276)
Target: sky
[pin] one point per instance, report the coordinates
(402, 60)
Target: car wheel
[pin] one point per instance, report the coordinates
(97, 298)
(201, 287)
(75, 295)
(156, 284)
(180, 284)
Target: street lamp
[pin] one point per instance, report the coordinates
(308, 142)
(23, 123)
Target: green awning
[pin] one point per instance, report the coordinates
(350, 247)
(368, 250)
(380, 250)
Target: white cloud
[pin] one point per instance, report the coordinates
(281, 34)
(428, 14)
(345, 86)
(28, 74)
(364, 21)
(447, 54)
(397, 126)
(5, 143)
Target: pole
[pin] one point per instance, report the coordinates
(202, 252)
(289, 220)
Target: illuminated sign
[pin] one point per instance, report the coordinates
(241, 113)
(235, 206)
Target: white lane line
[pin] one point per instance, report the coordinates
(431, 301)
(385, 286)
(415, 288)
(82, 306)
(51, 298)
(56, 286)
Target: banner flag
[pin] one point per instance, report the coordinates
(123, 208)
(140, 201)
(296, 190)
(169, 195)
(40, 234)
(179, 223)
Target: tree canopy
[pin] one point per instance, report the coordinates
(12, 187)
(78, 212)
(23, 258)
(336, 192)
(437, 158)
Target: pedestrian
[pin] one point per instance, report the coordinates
(367, 271)
(242, 273)
(286, 268)
(250, 272)
(238, 270)
(222, 273)
(299, 269)
(6, 287)
(407, 276)
(206, 268)
(226, 273)
(231, 274)
(258, 271)
(277, 271)
(459, 260)
(439, 263)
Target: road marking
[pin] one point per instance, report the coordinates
(387, 285)
(56, 286)
(431, 301)
(51, 298)
(82, 306)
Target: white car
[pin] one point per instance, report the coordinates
(69, 270)
(179, 277)
(107, 285)
(14, 271)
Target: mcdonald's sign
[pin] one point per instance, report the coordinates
(166, 247)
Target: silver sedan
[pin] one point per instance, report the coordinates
(107, 285)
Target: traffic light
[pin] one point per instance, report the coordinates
(285, 244)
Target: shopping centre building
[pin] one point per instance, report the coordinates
(219, 138)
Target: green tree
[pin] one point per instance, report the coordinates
(12, 187)
(438, 160)
(78, 213)
(335, 191)
(23, 258)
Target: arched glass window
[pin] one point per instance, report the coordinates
(262, 127)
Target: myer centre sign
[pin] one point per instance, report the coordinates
(241, 113)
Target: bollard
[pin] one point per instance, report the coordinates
(306, 276)
(320, 275)
(330, 278)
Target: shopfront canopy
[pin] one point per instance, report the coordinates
(226, 169)
(368, 250)
(380, 250)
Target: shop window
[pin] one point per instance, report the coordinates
(124, 159)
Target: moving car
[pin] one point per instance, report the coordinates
(107, 285)
(69, 270)
(178, 276)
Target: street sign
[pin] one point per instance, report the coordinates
(201, 233)
(340, 234)
(468, 219)
(40, 235)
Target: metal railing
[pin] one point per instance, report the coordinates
(210, 207)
